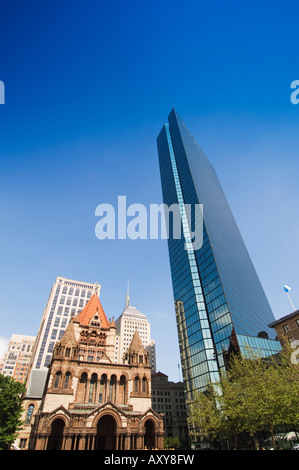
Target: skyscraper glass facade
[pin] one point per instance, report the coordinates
(219, 301)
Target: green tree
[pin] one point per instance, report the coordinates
(172, 443)
(10, 410)
(204, 414)
(207, 417)
(266, 391)
(255, 393)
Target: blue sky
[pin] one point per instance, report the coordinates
(88, 86)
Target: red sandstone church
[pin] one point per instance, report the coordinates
(89, 402)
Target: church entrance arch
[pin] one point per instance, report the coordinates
(56, 435)
(106, 433)
(149, 437)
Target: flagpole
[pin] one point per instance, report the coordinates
(291, 301)
(287, 290)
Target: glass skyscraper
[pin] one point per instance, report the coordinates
(219, 301)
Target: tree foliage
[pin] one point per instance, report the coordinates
(253, 394)
(172, 443)
(10, 410)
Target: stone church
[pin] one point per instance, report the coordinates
(89, 402)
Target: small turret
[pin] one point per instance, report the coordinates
(136, 354)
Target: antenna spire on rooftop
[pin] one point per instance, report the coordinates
(128, 296)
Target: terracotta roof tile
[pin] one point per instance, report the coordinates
(92, 307)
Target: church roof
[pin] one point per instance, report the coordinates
(136, 344)
(69, 336)
(92, 307)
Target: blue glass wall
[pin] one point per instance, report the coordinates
(218, 296)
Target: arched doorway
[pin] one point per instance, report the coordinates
(56, 436)
(106, 433)
(149, 438)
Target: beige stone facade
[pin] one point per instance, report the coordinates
(91, 403)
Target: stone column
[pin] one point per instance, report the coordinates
(117, 400)
(122, 442)
(86, 398)
(160, 442)
(139, 442)
(87, 442)
(68, 443)
(76, 437)
(92, 441)
(155, 441)
(142, 441)
(39, 443)
(127, 442)
(98, 388)
(42, 442)
(82, 443)
(46, 438)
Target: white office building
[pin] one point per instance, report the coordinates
(67, 298)
(130, 320)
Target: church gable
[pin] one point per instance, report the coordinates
(104, 359)
(150, 412)
(93, 312)
(60, 410)
(108, 406)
